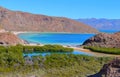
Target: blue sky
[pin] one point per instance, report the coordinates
(67, 8)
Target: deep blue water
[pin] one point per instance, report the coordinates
(55, 38)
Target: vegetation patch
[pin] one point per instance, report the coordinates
(13, 64)
(46, 48)
(104, 50)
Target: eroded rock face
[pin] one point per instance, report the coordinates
(21, 21)
(111, 69)
(104, 40)
(7, 38)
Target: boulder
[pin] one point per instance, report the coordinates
(112, 69)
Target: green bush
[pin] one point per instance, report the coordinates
(104, 50)
(46, 48)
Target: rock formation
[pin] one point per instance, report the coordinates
(7, 38)
(22, 21)
(104, 40)
(111, 69)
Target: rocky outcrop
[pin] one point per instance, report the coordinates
(104, 40)
(111, 69)
(7, 38)
(22, 21)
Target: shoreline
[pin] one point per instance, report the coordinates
(97, 54)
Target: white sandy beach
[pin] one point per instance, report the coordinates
(18, 32)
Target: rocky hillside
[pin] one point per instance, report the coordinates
(7, 38)
(104, 40)
(102, 24)
(22, 21)
(111, 69)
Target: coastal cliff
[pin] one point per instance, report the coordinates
(22, 21)
(104, 40)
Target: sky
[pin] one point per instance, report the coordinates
(67, 8)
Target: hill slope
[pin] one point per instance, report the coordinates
(104, 40)
(7, 38)
(102, 24)
(21, 21)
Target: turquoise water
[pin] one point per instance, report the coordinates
(48, 53)
(55, 38)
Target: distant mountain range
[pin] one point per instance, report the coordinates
(102, 24)
(22, 21)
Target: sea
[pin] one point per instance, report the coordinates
(71, 39)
